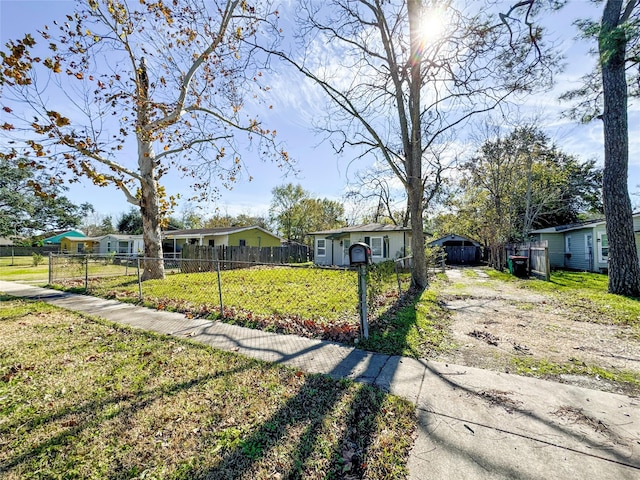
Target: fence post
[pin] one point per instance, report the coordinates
(362, 293)
(547, 264)
(86, 272)
(50, 268)
(139, 280)
(220, 288)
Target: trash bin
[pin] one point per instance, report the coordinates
(518, 265)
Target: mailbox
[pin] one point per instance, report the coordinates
(359, 254)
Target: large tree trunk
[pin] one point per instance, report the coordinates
(419, 276)
(149, 194)
(624, 269)
(415, 185)
(150, 211)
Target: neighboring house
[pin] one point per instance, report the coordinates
(460, 250)
(5, 242)
(580, 246)
(105, 244)
(387, 242)
(252, 236)
(56, 239)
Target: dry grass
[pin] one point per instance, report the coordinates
(80, 398)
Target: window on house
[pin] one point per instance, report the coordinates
(123, 247)
(321, 247)
(567, 244)
(376, 246)
(108, 247)
(81, 248)
(212, 242)
(242, 243)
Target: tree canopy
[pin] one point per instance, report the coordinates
(32, 202)
(294, 213)
(151, 86)
(398, 94)
(518, 182)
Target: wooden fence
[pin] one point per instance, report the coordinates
(537, 254)
(203, 258)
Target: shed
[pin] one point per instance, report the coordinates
(460, 250)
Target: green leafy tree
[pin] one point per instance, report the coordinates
(173, 77)
(31, 201)
(618, 36)
(130, 222)
(520, 182)
(294, 213)
(286, 212)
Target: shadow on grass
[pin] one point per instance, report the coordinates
(415, 326)
(68, 434)
(310, 408)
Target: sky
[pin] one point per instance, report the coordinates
(320, 170)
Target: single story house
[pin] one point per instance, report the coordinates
(387, 242)
(103, 245)
(460, 250)
(56, 239)
(580, 246)
(252, 236)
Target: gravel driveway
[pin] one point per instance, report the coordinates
(494, 322)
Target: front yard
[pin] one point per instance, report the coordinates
(569, 329)
(82, 398)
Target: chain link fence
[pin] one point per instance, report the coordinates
(305, 300)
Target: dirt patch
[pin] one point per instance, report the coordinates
(493, 322)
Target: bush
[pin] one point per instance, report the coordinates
(37, 259)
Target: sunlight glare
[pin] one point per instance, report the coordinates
(432, 26)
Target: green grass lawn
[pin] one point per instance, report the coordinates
(22, 269)
(307, 301)
(82, 398)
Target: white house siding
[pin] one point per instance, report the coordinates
(337, 254)
(322, 256)
(122, 245)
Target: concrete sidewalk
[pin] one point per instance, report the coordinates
(473, 424)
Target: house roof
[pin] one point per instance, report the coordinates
(453, 236)
(60, 234)
(367, 228)
(570, 226)
(198, 232)
(116, 236)
(576, 226)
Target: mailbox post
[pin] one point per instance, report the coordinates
(360, 256)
